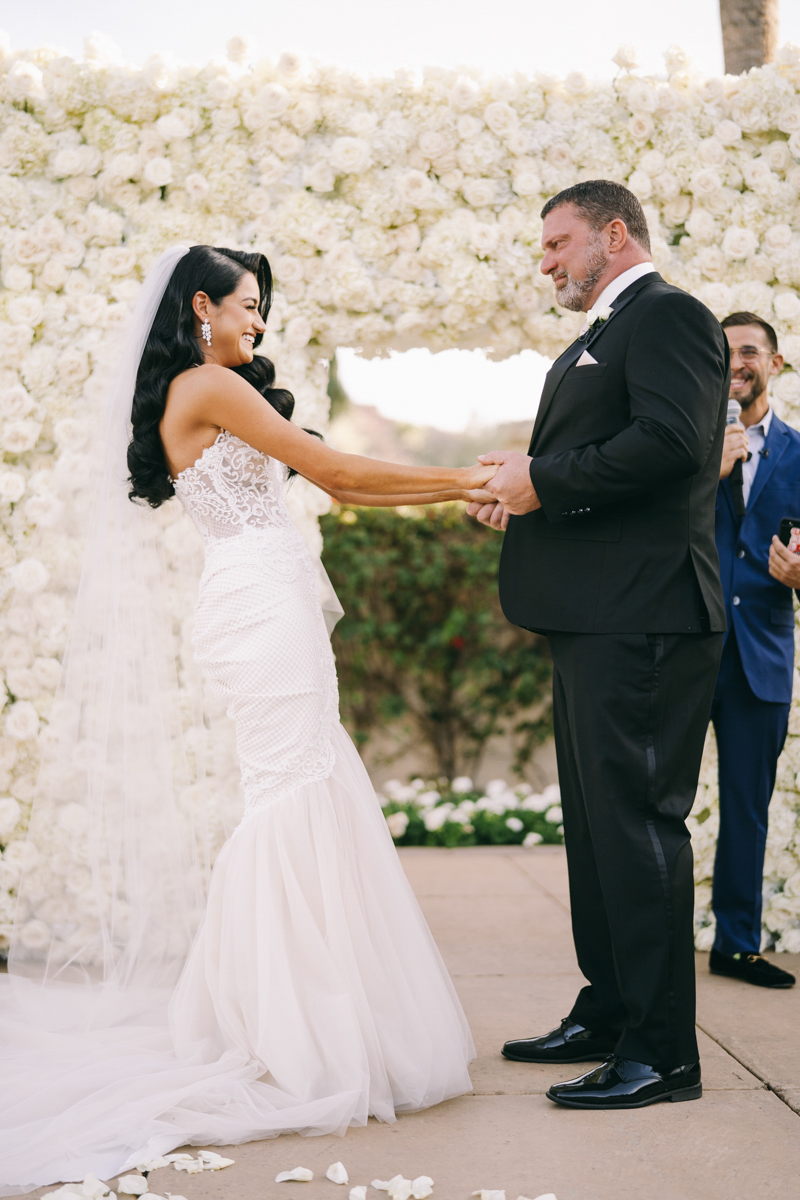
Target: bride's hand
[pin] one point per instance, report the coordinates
(476, 477)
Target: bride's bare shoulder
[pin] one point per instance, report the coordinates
(199, 379)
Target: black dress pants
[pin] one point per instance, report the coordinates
(631, 713)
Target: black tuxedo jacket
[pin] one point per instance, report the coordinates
(626, 456)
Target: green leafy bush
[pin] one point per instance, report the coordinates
(423, 636)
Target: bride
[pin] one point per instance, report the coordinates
(309, 995)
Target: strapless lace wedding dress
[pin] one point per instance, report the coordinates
(314, 995)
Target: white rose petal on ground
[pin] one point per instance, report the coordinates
(132, 1185)
(490, 1194)
(422, 1187)
(301, 1174)
(214, 1162)
(337, 1173)
(358, 1193)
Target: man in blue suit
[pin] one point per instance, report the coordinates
(751, 704)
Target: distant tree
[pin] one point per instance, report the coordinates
(749, 33)
(423, 638)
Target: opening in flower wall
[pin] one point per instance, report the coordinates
(396, 213)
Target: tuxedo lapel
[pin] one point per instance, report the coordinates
(774, 446)
(551, 382)
(573, 352)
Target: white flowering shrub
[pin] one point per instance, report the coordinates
(395, 214)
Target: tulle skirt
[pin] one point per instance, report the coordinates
(313, 997)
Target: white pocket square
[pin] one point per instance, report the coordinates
(586, 360)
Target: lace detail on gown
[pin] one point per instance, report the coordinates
(259, 634)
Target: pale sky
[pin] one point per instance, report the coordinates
(375, 36)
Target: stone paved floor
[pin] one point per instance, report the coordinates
(500, 916)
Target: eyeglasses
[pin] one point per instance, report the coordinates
(749, 354)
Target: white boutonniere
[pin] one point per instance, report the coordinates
(598, 315)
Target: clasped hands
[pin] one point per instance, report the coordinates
(508, 491)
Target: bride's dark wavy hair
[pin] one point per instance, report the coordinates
(172, 347)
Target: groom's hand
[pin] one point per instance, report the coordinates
(512, 484)
(493, 514)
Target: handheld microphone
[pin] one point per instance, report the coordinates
(736, 479)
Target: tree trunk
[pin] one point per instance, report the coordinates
(749, 33)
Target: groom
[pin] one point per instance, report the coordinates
(610, 551)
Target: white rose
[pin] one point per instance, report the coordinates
(559, 156)
(181, 123)
(54, 273)
(642, 97)
(789, 119)
(68, 162)
(641, 127)
(712, 261)
(626, 57)
(298, 333)
(676, 59)
(255, 118)
(43, 510)
(22, 721)
(778, 156)
(25, 81)
(718, 297)
(83, 188)
(304, 115)
(71, 433)
(712, 152)
(501, 118)
(274, 99)
(30, 576)
(16, 278)
(397, 823)
(23, 684)
(527, 183)
(452, 180)
(787, 307)
(15, 339)
(8, 556)
(325, 234)
(778, 237)
(91, 309)
(756, 172)
(290, 66)
(705, 182)
(288, 269)
(29, 248)
(480, 192)
(158, 172)
(26, 310)
(640, 184)
(239, 49)
(468, 127)
(667, 185)
(225, 119)
(578, 84)
(739, 243)
(117, 260)
(701, 225)
(78, 284)
(464, 95)
(711, 91)
(71, 250)
(414, 187)
(433, 144)
(10, 815)
(526, 298)
(350, 156)
(15, 402)
(16, 651)
(12, 486)
(20, 436)
(73, 367)
(790, 349)
(47, 672)
(35, 935)
(794, 144)
(196, 186)
(320, 177)
(160, 72)
(728, 132)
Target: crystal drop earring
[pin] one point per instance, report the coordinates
(205, 330)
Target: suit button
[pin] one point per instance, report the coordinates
(740, 553)
(736, 600)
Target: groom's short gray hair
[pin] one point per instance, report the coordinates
(600, 201)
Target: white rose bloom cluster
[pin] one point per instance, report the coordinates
(395, 213)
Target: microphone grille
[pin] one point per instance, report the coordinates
(734, 411)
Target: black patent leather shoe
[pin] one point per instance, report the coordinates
(570, 1043)
(622, 1083)
(752, 968)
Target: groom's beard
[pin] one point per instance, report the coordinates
(575, 292)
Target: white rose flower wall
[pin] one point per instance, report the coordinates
(395, 213)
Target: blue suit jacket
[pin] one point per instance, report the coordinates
(763, 614)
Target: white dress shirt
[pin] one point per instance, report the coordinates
(618, 285)
(757, 435)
